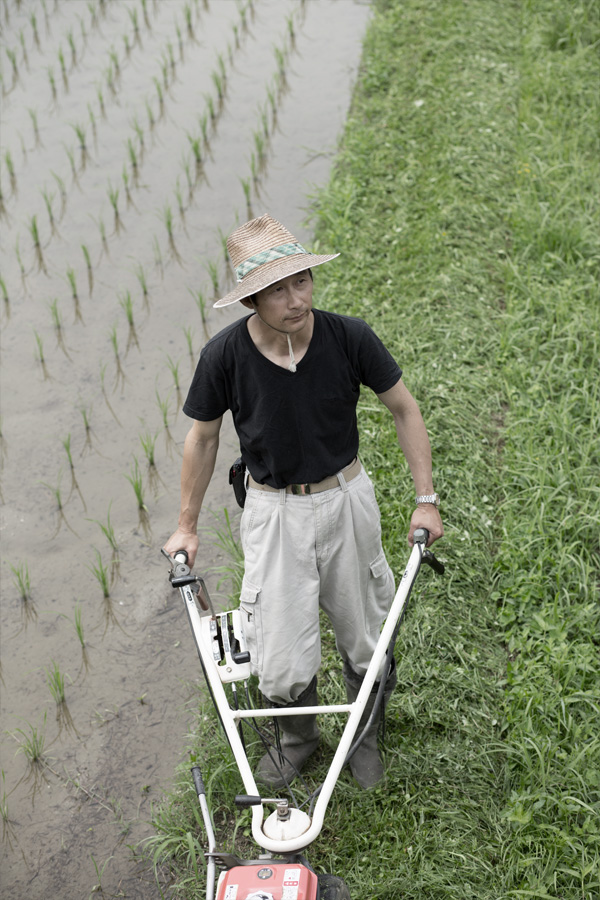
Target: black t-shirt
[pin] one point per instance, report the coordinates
(298, 426)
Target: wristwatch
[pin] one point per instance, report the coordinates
(428, 498)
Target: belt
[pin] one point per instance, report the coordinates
(332, 481)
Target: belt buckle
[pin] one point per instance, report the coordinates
(300, 489)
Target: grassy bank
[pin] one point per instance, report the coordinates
(463, 205)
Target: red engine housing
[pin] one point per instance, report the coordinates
(271, 880)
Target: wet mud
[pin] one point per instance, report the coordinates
(135, 136)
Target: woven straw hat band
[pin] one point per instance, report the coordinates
(262, 252)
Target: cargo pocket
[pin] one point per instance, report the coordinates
(251, 624)
(380, 592)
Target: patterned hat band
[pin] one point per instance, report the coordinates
(265, 256)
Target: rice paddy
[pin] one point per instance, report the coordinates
(126, 126)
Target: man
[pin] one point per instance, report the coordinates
(310, 530)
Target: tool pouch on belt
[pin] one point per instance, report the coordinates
(237, 478)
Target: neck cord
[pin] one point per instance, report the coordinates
(292, 365)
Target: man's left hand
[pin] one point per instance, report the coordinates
(426, 516)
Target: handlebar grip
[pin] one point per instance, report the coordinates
(421, 536)
(245, 800)
(198, 782)
(181, 556)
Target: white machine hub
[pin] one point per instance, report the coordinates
(286, 829)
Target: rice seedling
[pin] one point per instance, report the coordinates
(133, 16)
(63, 67)
(163, 406)
(108, 530)
(171, 57)
(34, 28)
(56, 492)
(86, 256)
(79, 130)
(148, 442)
(141, 277)
(136, 482)
(13, 61)
(10, 169)
(145, 12)
(196, 147)
(72, 46)
(40, 351)
(247, 189)
(219, 84)
(127, 45)
(167, 215)
(138, 130)
(31, 744)
(85, 415)
(291, 28)
(100, 573)
(51, 81)
(100, 97)
(210, 104)
(150, 114)
(203, 122)
(113, 196)
(189, 338)
(62, 190)
(4, 802)
(126, 304)
(35, 233)
(66, 442)
(56, 318)
(185, 162)
(22, 581)
(34, 123)
(159, 94)
(179, 198)
(114, 340)
(187, 15)
(158, 260)
(174, 370)
(71, 278)
(19, 257)
(48, 198)
(56, 682)
(200, 301)
(4, 293)
(114, 59)
(133, 159)
(213, 272)
(78, 624)
(71, 157)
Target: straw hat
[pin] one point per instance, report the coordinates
(262, 252)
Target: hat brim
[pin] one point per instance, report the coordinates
(271, 272)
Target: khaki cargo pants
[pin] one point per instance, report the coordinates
(303, 552)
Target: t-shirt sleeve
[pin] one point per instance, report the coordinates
(207, 397)
(378, 368)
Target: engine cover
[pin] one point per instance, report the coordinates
(271, 880)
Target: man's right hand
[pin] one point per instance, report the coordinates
(183, 540)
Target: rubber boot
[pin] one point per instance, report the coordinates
(300, 739)
(366, 765)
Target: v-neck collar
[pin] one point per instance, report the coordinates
(273, 365)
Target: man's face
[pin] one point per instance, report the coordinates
(286, 305)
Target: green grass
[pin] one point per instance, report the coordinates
(464, 204)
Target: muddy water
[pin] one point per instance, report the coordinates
(100, 98)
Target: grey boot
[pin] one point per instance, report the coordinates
(300, 739)
(365, 764)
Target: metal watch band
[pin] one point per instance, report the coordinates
(428, 498)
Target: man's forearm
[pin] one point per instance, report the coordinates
(199, 457)
(414, 442)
